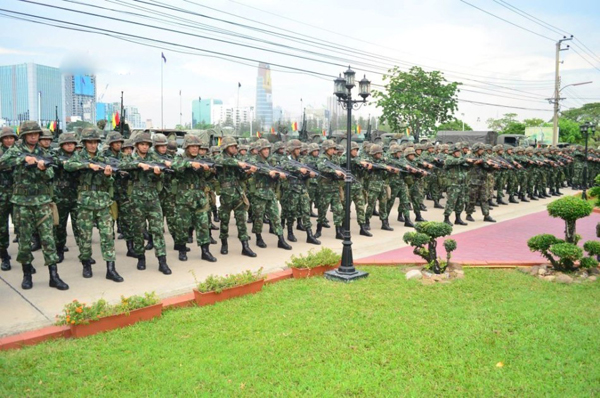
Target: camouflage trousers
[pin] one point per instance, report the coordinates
(148, 210)
(192, 216)
(236, 204)
(86, 220)
(478, 193)
(578, 174)
(400, 191)
(455, 201)
(374, 194)
(357, 196)
(312, 193)
(416, 196)
(31, 219)
(6, 208)
(66, 208)
(433, 186)
(512, 182)
(125, 219)
(167, 203)
(268, 207)
(326, 199)
(500, 182)
(296, 205)
(490, 180)
(523, 177)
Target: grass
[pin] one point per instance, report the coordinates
(382, 336)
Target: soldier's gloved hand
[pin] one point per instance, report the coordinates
(156, 170)
(94, 167)
(108, 170)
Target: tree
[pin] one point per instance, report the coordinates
(203, 126)
(568, 131)
(508, 124)
(454, 125)
(80, 123)
(416, 98)
(587, 113)
(535, 122)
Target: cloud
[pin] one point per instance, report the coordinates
(12, 51)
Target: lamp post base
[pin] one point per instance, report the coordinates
(335, 275)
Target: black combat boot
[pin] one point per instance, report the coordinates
(488, 218)
(162, 265)
(447, 220)
(55, 280)
(310, 238)
(458, 220)
(326, 224)
(400, 217)
(130, 252)
(437, 205)
(283, 223)
(224, 246)
(27, 279)
(212, 240)
(491, 203)
(501, 201)
(213, 227)
(246, 251)
(216, 216)
(300, 225)
(428, 196)
(36, 243)
(260, 242)
(470, 218)
(5, 260)
(364, 232)
(558, 192)
(206, 254)
(555, 192)
(338, 233)
(523, 198)
(66, 249)
(111, 272)
(92, 261)
(141, 264)
(385, 225)
(533, 197)
(511, 199)
(150, 244)
(282, 244)
(182, 252)
(408, 222)
(190, 238)
(291, 236)
(87, 269)
(319, 230)
(375, 212)
(419, 218)
(312, 213)
(181, 247)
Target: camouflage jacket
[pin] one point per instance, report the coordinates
(456, 169)
(265, 185)
(6, 178)
(229, 175)
(95, 189)
(168, 180)
(478, 173)
(31, 186)
(357, 170)
(145, 185)
(328, 181)
(191, 184)
(300, 184)
(65, 182)
(121, 181)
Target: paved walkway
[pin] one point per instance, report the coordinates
(22, 310)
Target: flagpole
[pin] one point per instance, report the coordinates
(237, 124)
(162, 125)
(180, 114)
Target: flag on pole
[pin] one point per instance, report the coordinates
(162, 55)
(239, 84)
(113, 122)
(324, 133)
(359, 129)
(258, 134)
(219, 141)
(117, 119)
(272, 130)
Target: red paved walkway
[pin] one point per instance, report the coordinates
(503, 243)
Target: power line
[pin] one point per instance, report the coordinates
(585, 59)
(531, 18)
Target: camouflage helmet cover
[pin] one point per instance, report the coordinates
(263, 144)
(313, 147)
(244, 147)
(477, 146)
(90, 134)
(276, 146)
(172, 145)
(128, 143)
(394, 149)
(294, 144)
(46, 134)
(67, 138)
(375, 149)
(29, 127)
(214, 149)
(143, 138)
(159, 139)
(227, 142)
(409, 151)
(328, 144)
(7, 132)
(444, 147)
(191, 140)
(354, 145)
(114, 136)
(498, 147)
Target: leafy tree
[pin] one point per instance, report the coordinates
(416, 98)
(535, 122)
(568, 131)
(72, 126)
(587, 113)
(453, 125)
(203, 126)
(507, 124)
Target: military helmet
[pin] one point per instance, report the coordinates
(29, 127)
(328, 144)
(244, 147)
(90, 134)
(143, 138)
(394, 149)
(428, 145)
(456, 148)
(409, 151)
(190, 140)
(410, 145)
(304, 147)
(172, 145)
(366, 145)
(214, 149)
(67, 138)
(529, 150)
(339, 148)
(477, 146)
(375, 149)
(276, 146)
(204, 145)
(227, 142)
(519, 149)
(293, 145)
(7, 132)
(498, 147)
(444, 147)
(114, 136)
(313, 146)
(419, 147)
(254, 145)
(46, 134)
(159, 139)
(464, 145)
(128, 143)
(354, 145)
(263, 144)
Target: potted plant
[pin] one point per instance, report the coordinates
(313, 263)
(220, 288)
(85, 320)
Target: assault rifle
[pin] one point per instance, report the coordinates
(161, 166)
(48, 161)
(386, 167)
(114, 164)
(298, 165)
(209, 163)
(347, 174)
(266, 168)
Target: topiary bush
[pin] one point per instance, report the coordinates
(563, 255)
(426, 235)
(570, 209)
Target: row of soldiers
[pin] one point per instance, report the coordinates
(141, 183)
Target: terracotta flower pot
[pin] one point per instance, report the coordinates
(301, 273)
(237, 291)
(116, 321)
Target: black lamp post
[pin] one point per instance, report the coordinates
(343, 90)
(585, 131)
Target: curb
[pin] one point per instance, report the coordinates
(467, 263)
(55, 332)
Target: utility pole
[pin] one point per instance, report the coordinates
(557, 87)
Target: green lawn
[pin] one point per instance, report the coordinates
(382, 336)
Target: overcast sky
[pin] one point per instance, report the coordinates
(490, 56)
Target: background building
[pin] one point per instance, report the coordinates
(30, 91)
(264, 96)
(80, 97)
(207, 111)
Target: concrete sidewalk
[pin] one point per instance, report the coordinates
(23, 310)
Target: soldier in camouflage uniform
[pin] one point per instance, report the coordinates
(295, 198)
(233, 197)
(123, 191)
(65, 194)
(8, 138)
(191, 201)
(478, 189)
(146, 184)
(455, 167)
(313, 184)
(432, 182)
(378, 189)
(414, 193)
(167, 198)
(357, 193)
(94, 198)
(512, 180)
(399, 187)
(32, 202)
(112, 149)
(215, 153)
(330, 189)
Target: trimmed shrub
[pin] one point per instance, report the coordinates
(426, 234)
(570, 209)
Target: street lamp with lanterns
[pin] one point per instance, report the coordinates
(343, 91)
(585, 129)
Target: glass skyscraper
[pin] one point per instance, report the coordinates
(264, 100)
(30, 91)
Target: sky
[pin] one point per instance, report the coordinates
(498, 63)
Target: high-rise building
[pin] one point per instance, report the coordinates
(207, 111)
(30, 91)
(264, 96)
(133, 118)
(80, 97)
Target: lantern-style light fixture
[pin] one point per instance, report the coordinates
(339, 87)
(349, 76)
(364, 87)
